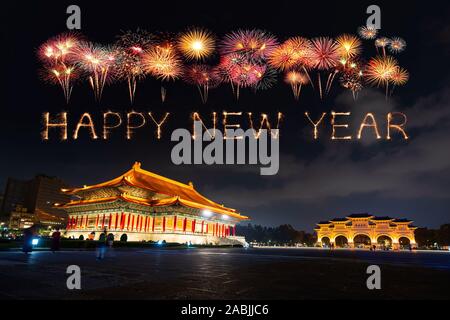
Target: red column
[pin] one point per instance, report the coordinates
(103, 221)
(234, 231)
(164, 224)
(132, 222)
(115, 221)
(174, 223)
(203, 224)
(141, 223)
(193, 226)
(217, 229)
(153, 224)
(146, 224)
(110, 221)
(86, 221)
(96, 221)
(138, 221)
(128, 221)
(184, 224)
(207, 225)
(68, 224)
(122, 221)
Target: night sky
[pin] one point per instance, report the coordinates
(318, 180)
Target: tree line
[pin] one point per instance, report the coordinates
(283, 234)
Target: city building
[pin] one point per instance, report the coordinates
(20, 218)
(35, 197)
(143, 206)
(365, 230)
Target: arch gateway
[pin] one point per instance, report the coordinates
(365, 230)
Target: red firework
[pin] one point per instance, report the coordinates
(324, 53)
(255, 45)
(325, 56)
(204, 77)
(58, 55)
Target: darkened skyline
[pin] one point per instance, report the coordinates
(318, 180)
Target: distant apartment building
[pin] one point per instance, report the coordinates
(33, 200)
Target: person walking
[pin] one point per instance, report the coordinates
(101, 245)
(56, 241)
(28, 235)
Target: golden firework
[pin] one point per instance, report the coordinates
(295, 51)
(348, 45)
(196, 44)
(380, 70)
(296, 80)
(399, 77)
(162, 63)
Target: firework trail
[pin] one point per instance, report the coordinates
(57, 55)
(399, 78)
(196, 44)
(228, 66)
(163, 63)
(325, 56)
(247, 75)
(296, 80)
(98, 63)
(129, 66)
(380, 70)
(203, 77)
(382, 43)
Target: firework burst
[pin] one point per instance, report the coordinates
(296, 80)
(367, 33)
(396, 45)
(129, 67)
(352, 80)
(247, 75)
(255, 45)
(399, 77)
(57, 56)
(268, 79)
(162, 63)
(61, 75)
(196, 44)
(98, 63)
(135, 42)
(294, 52)
(325, 53)
(240, 72)
(349, 46)
(325, 56)
(380, 70)
(60, 49)
(382, 43)
(204, 77)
